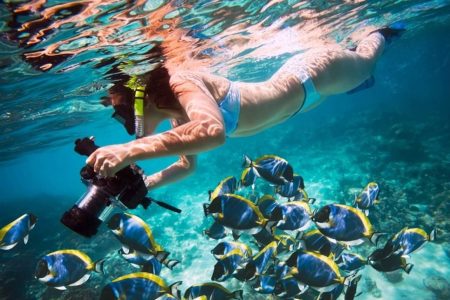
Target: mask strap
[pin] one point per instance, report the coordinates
(139, 93)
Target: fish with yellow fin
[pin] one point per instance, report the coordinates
(238, 214)
(64, 268)
(272, 168)
(135, 234)
(17, 231)
(141, 285)
(345, 224)
(368, 197)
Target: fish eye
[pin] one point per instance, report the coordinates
(42, 269)
(322, 215)
(220, 248)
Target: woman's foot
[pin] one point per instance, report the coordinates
(392, 31)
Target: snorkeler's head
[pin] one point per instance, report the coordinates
(157, 96)
(122, 100)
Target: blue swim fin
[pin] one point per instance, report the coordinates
(392, 31)
(368, 83)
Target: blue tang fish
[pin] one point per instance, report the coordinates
(216, 231)
(295, 215)
(135, 234)
(226, 186)
(389, 263)
(211, 291)
(237, 213)
(266, 205)
(263, 238)
(315, 270)
(259, 263)
(248, 178)
(64, 268)
(223, 248)
(351, 262)
(314, 240)
(368, 197)
(148, 263)
(409, 240)
(272, 168)
(286, 243)
(227, 264)
(289, 287)
(264, 284)
(139, 286)
(303, 196)
(17, 231)
(350, 292)
(292, 188)
(345, 224)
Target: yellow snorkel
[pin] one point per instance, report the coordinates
(139, 93)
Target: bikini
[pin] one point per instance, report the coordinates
(231, 103)
(230, 108)
(312, 96)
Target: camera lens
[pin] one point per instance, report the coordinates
(83, 217)
(81, 221)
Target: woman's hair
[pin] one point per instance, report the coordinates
(156, 82)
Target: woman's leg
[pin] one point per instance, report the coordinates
(344, 70)
(371, 47)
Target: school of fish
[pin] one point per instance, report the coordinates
(274, 242)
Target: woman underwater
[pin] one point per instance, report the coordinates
(205, 109)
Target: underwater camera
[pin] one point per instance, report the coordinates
(125, 190)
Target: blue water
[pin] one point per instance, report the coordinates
(396, 133)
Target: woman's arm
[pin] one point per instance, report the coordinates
(204, 131)
(176, 171)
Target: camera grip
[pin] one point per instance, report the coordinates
(85, 146)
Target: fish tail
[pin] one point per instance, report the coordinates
(161, 256)
(237, 295)
(247, 163)
(174, 289)
(375, 237)
(311, 200)
(170, 263)
(352, 278)
(98, 266)
(432, 236)
(407, 268)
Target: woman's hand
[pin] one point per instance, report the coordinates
(108, 160)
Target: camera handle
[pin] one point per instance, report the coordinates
(85, 146)
(164, 205)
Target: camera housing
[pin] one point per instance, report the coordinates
(125, 190)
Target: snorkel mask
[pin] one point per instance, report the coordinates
(132, 117)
